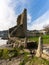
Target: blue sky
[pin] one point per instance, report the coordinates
(37, 13)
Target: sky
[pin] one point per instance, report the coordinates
(37, 13)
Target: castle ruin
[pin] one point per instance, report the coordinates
(19, 31)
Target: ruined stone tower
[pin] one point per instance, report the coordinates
(20, 30)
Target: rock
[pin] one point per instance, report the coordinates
(40, 48)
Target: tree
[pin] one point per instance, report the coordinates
(46, 28)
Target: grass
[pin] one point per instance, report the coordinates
(45, 39)
(33, 38)
(38, 61)
(7, 54)
(33, 61)
(25, 58)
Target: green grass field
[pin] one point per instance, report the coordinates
(33, 61)
(45, 39)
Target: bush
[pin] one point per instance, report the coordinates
(22, 63)
(16, 51)
(1, 51)
(21, 47)
(5, 54)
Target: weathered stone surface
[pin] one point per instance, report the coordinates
(19, 32)
(21, 29)
(40, 48)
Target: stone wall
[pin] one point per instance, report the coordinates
(20, 30)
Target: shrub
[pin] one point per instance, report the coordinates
(5, 53)
(21, 47)
(16, 51)
(1, 51)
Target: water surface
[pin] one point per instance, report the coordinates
(2, 42)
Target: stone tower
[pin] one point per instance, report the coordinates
(21, 29)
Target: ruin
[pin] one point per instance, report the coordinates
(19, 32)
(40, 47)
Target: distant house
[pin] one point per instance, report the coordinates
(4, 34)
(33, 33)
(42, 32)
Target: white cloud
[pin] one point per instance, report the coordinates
(7, 15)
(40, 22)
(7, 12)
(29, 18)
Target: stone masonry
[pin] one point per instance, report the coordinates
(40, 48)
(20, 30)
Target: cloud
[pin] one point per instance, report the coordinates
(7, 15)
(40, 22)
(9, 10)
(29, 18)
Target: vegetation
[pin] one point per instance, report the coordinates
(26, 58)
(46, 28)
(1, 51)
(38, 61)
(45, 39)
(7, 54)
(33, 39)
(33, 61)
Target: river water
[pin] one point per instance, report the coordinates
(2, 42)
